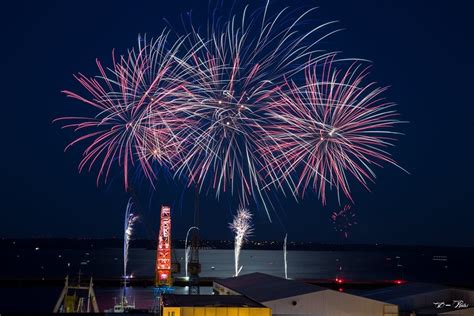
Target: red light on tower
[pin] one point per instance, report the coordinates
(163, 253)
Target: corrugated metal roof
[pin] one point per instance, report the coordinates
(171, 300)
(399, 291)
(263, 287)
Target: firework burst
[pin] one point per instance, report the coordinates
(250, 106)
(136, 117)
(333, 127)
(242, 62)
(344, 220)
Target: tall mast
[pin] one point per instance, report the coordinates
(194, 267)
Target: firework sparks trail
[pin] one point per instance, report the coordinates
(343, 220)
(130, 220)
(333, 127)
(187, 249)
(242, 228)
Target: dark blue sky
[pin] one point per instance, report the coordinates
(422, 49)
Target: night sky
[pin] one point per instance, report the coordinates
(422, 49)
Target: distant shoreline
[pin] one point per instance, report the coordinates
(85, 243)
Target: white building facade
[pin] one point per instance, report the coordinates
(289, 297)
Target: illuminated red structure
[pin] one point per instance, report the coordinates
(163, 252)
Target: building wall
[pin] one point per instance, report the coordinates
(216, 311)
(424, 300)
(330, 303)
(171, 311)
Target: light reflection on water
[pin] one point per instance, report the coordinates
(107, 263)
(218, 263)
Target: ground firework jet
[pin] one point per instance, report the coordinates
(193, 265)
(242, 228)
(163, 253)
(130, 220)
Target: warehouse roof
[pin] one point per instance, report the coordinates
(174, 300)
(399, 291)
(263, 287)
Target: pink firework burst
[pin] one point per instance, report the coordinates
(330, 129)
(136, 106)
(248, 105)
(241, 63)
(344, 220)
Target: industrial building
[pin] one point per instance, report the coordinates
(426, 299)
(290, 297)
(211, 305)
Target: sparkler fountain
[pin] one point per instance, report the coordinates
(242, 228)
(187, 249)
(130, 220)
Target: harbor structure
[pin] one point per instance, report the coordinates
(77, 298)
(163, 253)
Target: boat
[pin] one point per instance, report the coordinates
(123, 306)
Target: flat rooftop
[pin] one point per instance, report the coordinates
(175, 300)
(399, 291)
(263, 287)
